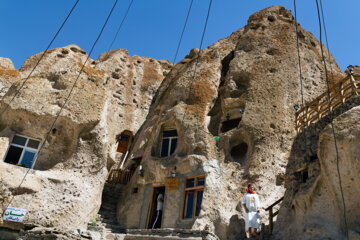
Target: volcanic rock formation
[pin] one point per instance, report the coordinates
(241, 89)
(112, 94)
(228, 112)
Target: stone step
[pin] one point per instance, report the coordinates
(157, 237)
(109, 220)
(115, 229)
(108, 206)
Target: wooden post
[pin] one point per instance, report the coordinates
(262, 232)
(271, 219)
(353, 84)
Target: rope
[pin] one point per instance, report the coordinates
(41, 57)
(66, 100)
(198, 55)
(332, 124)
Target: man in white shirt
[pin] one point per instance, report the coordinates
(251, 204)
(159, 209)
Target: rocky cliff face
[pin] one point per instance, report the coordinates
(113, 94)
(243, 91)
(231, 105)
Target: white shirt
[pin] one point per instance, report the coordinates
(251, 201)
(160, 204)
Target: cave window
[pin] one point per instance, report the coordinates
(304, 176)
(22, 151)
(123, 144)
(239, 152)
(230, 124)
(169, 142)
(194, 190)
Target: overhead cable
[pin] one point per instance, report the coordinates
(41, 57)
(332, 124)
(68, 97)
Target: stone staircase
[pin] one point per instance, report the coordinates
(107, 222)
(168, 234)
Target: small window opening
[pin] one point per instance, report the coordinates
(194, 190)
(169, 142)
(230, 124)
(304, 176)
(313, 158)
(22, 151)
(238, 152)
(135, 190)
(123, 142)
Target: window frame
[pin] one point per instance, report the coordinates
(195, 189)
(170, 141)
(24, 149)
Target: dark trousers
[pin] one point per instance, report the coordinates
(157, 222)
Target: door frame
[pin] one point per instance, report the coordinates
(151, 203)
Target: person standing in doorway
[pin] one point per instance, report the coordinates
(159, 209)
(251, 204)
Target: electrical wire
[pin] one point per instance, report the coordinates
(331, 122)
(183, 30)
(326, 38)
(68, 97)
(119, 28)
(41, 57)
(179, 43)
(300, 69)
(198, 55)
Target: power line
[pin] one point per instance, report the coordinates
(300, 70)
(331, 122)
(326, 38)
(183, 30)
(198, 55)
(179, 43)
(120, 26)
(41, 57)
(68, 97)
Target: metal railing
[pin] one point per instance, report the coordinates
(319, 107)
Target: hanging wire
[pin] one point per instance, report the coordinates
(119, 28)
(183, 30)
(180, 39)
(41, 57)
(68, 97)
(326, 38)
(331, 122)
(198, 55)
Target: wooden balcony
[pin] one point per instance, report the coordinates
(319, 107)
(120, 176)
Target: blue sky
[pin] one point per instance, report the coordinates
(153, 27)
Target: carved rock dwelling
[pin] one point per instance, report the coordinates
(195, 137)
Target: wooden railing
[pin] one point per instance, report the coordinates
(272, 214)
(120, 176)
(319, 107)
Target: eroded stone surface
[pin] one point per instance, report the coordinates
(112, 94)
(243, 91)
